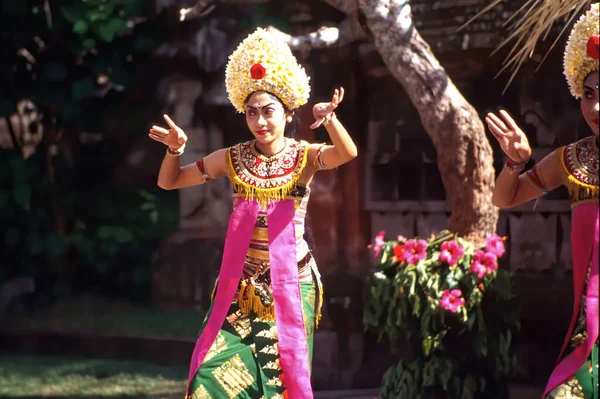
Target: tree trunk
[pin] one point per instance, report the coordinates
(464, 155)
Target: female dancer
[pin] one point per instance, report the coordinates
(576, 167)
(256, 341)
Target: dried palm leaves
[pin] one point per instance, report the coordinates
(532, 23)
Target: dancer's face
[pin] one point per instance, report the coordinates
(590, 107)
(266, 117)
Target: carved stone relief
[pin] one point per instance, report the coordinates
(533, 242)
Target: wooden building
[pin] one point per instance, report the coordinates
(394, 185)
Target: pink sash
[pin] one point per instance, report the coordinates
(286, 290)
(584, 244)
(291, 334)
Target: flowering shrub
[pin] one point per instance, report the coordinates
(434, 293)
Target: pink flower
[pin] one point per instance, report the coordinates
(414, 251)
(378, 243)
(452, 300)
(451, 252)
(483, 263)
(478, 268)
(495, 245)
(401, 239)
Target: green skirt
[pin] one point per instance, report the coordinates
(584, 384)
(243, 362)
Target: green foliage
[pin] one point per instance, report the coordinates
(455, 319)
(92, 238)
(83, 66)
(74, 54)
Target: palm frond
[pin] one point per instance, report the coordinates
(531, 24)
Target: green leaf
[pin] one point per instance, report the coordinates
(480, 320)
(80, 27)
(22, 195)
(89, 43)
(101, 13)
(154, 216)
(82, 243)
(427, 345)
(118, 233)
(82, 89)
(148, 196)
(145, 44)
(74, 12)
(481, 346)
(70, 111)
(55, 244)
(123, 235)
(108, 30)
(429, 372)
(146, 206)
(413, 280)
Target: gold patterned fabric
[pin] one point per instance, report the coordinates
(270, 177)
(584, 384)
(579, 161)
(243, 363)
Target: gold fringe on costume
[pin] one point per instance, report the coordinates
(589, 190)
(265, 195)
(249, 301)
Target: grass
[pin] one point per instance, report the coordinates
(101, 315)
(38, 376)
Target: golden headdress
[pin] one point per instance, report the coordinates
(582, 51)
(263, 61)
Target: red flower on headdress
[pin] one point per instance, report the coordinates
(593, 47)
(258, 71)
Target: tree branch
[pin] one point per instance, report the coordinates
(324, 37)
(464, 155)
(203, 7)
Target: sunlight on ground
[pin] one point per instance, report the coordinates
(22, 376)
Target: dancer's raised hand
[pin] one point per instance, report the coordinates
(513, 141)
(174, 137)
(322, 111)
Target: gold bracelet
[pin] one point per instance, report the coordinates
(513, 167)
(175, 152)
(329, 118)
